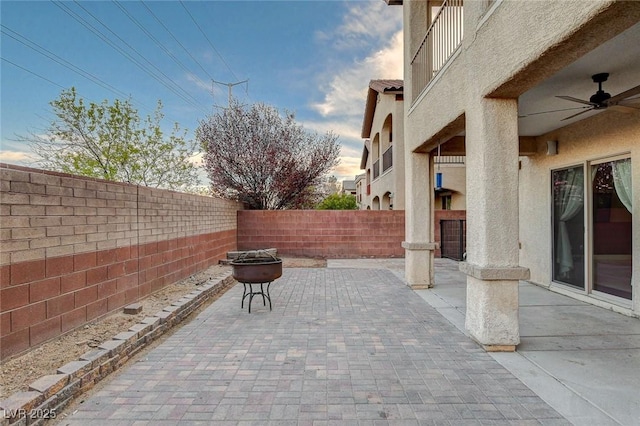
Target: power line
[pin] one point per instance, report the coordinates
(33, 73)
(184, 96)
(61, 61)
(209, 41)
(63, 87)
(155, 40)
(177, 41)
(106, 39)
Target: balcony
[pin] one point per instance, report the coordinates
(443, 38)
(387, 159)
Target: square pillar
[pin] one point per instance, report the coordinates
(492, 224)
(419, 245)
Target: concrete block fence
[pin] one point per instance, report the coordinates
(73, 249)
(323, 233)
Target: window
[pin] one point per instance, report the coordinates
(446, 202)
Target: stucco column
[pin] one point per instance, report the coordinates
(492, 224)
(419, 245)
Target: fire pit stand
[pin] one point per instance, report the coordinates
(265, 294)
(253, 268)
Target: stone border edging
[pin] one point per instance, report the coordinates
(50, 394)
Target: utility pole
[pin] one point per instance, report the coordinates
(230, 85)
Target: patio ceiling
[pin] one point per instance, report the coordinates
(618, 57)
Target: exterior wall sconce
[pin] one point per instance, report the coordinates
(552, 147)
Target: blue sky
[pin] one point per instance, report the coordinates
(314, 58)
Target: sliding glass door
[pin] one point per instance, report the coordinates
(568, 226)
(611, 228)
(601, 199)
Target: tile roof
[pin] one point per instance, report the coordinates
(375, 87)
(384, 86)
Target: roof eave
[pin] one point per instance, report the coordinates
(365, 155)
(369, 110)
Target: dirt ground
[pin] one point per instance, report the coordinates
(19, 372)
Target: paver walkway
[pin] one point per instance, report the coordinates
(341, 346)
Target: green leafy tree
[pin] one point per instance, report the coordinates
(110, 141)
(338, 202)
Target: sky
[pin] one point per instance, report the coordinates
(312, 58)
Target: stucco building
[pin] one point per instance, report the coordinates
(552, 148)
(381, 187)
(348, 187)
(383, 152)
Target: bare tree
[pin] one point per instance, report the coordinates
(263, 159)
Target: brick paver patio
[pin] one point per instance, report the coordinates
(341, 346)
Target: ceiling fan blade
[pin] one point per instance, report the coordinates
(633, 103)
(575, 115)
(625, 108)
(570, 98)
(555, 110)
(624, 95)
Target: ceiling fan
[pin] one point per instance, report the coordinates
(603, 100)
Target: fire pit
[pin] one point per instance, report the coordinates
(253, 268)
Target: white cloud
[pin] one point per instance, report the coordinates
(199, 83)
(197, 159)
(348, 168)
(347, 89)
(347, 128)
(372, 33)
(364, 23)
(15, 157)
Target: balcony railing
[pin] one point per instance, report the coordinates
(387, 159)
(376, 169)
(449, 159)
(443, 37)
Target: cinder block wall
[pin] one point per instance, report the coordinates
(74, 249)
(323, 233)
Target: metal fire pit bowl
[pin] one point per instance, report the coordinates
(260, 269)
(256, 270)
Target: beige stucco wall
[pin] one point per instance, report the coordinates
(504, 53)
(392, 180)
(454, 178)
(607, 134)
(477, 71)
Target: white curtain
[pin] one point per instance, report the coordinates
(622, 181)
(571, 200)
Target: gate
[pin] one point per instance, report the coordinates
(453, 238)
